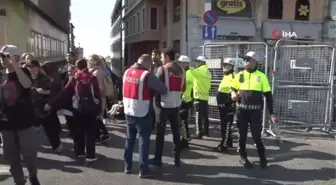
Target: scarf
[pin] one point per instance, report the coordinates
(83, 75)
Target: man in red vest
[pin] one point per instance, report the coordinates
(138, 87)
(172, 75)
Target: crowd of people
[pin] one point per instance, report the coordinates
(33, 95)
(156, 90)
(161, 89)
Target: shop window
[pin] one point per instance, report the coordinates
(275, 9)
(177, 10)
(154, 18)
(302, 9)
(165, 15)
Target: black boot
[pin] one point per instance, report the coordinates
(245, 162)
(221, 148)
(262, 158)
(184, 143)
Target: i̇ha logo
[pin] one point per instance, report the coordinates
(278, 34)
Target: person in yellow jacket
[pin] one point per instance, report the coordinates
(187, 101)
(201, 88)
(248, 88)
(225, 104)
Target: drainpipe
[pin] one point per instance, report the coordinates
(184, 23)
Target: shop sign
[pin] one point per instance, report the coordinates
(278, 34)
(232, 8)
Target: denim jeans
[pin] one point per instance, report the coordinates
(143, 127)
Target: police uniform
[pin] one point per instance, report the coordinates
(251, 85)
(201, 91)
(170, 105)
(187, 103)
(226, 110)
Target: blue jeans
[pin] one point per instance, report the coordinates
(143, 127)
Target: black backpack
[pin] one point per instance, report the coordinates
(84, 100)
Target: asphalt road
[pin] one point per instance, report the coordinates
(301, 159)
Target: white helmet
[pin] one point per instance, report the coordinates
(184, 58)
(231, 61)
(201, 59)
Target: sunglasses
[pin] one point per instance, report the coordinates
(2, 55)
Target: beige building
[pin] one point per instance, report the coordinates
(151, 24)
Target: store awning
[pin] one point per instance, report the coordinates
(269, 27)
(230, 27)
(311, 31)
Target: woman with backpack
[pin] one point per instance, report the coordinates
(97, 69)
(83, 89)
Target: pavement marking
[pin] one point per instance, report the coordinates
(4, 169)
(331, 162)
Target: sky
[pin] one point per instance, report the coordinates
(92, 25)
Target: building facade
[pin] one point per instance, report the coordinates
(35, 28)
(117, 37)
(150, 24)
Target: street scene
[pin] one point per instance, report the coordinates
(168, 92)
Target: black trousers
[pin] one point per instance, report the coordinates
(171, 115)
(100, 128)
(202, 117)
(252, 119)
(184, 114)
(85, 134)
(226, 112)
(52, 128)
(70, 122)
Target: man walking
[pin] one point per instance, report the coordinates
(172, 74)
(138, 83)
(17, 117)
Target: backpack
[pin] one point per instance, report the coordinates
(84, 100)
(109, 88)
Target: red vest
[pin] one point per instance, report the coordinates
(136, 95)
(173, 98)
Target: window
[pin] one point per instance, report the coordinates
(154, 19)
(332, 9)
(302, 9)
(143, 19)
(176, 46)
(127, 28)
(164, 44)
(165, 15)
(177, 10)
(275, 9)
(133, 25)
(138, 22)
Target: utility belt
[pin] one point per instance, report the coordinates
(249, 107)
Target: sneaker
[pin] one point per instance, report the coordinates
(198, 136)
(59, 149)
(34, 181)
(263, 163)
(91, 159)
(105, 138)
(155, 162)
(127, 171)
(146, 175)
(81, 156)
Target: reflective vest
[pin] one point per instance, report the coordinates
(202, 82)
(173, 98)
(226, 83)
(187, 97)
(136, 95)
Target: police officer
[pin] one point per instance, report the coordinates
(172, 75)
(187, 101)
(251, 84)
(202, 85)
(225, 105)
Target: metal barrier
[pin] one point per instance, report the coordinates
(303, 84)
(215, 53)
